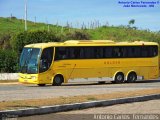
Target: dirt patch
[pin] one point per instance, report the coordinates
(8, 81)
(7, 105)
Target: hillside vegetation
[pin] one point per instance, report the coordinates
(13, 37)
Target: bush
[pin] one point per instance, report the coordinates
(21, 39)
(4, 41)
(8, 61)
(77, 35)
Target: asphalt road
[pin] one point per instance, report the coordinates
(22, 92)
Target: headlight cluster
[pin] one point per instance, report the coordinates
(33, 77)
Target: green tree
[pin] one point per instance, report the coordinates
(131, 22)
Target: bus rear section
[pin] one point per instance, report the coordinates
(114, 63)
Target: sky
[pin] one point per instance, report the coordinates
(87, 11)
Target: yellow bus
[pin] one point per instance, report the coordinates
(98, 60)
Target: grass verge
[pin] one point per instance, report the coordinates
(10, 105)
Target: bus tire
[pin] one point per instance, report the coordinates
(132, 77)
(57, 81)
(41, 85)
(119, 78)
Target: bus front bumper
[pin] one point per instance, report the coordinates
(28, 78)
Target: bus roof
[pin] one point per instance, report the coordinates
(89, 43)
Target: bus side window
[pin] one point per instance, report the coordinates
(98, 52)
(60, 53)
(124, 52)
(144, 51)
(153, 51)
(116, 52)
(63, 53)
(81, 53)
(71, 53)
(131, 52)
(88, 52)
(78, 52)
(136, 51)
(107, 52)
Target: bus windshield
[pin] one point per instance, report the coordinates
(29, 60)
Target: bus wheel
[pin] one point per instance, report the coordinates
(58, 79)
(41, 84)
(132, 77)
(119, 78)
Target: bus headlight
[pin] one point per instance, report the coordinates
(33, 77)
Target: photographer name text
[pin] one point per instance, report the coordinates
(141, 4)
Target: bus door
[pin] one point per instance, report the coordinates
(45, 68)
